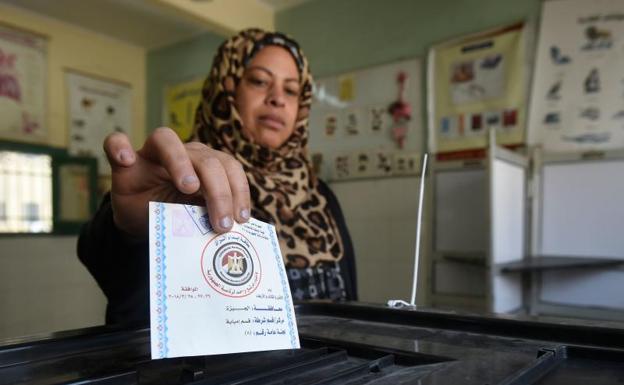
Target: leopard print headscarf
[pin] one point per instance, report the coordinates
(284, 190)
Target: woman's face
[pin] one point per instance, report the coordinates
(267, 97)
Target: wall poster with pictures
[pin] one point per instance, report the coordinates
(23, 85)
(97, 108)
(577, 101)
(367, 123)
(180, 103)
(476, 83)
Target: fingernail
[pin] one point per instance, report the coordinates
(244, 213)
(125, 156)
(189, 179)
(226, 222)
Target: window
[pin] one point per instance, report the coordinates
(44, 190)
(25, 192)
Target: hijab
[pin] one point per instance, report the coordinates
(284, 190)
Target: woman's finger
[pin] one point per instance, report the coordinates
(118, 150)
(164, 147)
(215, 188)
(239, 186)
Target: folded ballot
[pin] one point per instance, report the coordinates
(215, 293)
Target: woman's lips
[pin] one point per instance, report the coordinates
(272, 121)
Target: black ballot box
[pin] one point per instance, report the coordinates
(348, 343)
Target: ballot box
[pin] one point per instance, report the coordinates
(347, 343)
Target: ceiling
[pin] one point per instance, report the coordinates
(140, 22)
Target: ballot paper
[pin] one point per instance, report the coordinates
(216, 293)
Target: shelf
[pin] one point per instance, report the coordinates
(556, 263)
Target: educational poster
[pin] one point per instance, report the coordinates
(97, 108)
(477, 83)
(23, 86)
(364, 164)
(378, 118)
(360, 114)
(347, 88)
(331, 124)
(181, 101)
(352, 120)
(382, 161)
(577, 101)
(342, 168)
(406, 163)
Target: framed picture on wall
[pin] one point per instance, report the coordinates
(180, 103)
(577, 99)
(97, 107)
(358, 119)
(477, 83)
(74, 192)
(23, 85)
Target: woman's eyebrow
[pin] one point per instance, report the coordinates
(270, 73)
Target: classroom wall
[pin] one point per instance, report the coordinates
(43, 286)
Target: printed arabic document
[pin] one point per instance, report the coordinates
(216, 293)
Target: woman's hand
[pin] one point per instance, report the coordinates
(167, 170)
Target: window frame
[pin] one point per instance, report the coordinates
(60, 157)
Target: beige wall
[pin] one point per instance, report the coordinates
(72, 47)
(381, 218)
(43, 286)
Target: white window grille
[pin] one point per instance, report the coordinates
(25, 192)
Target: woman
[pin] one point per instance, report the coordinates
(253, 117)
